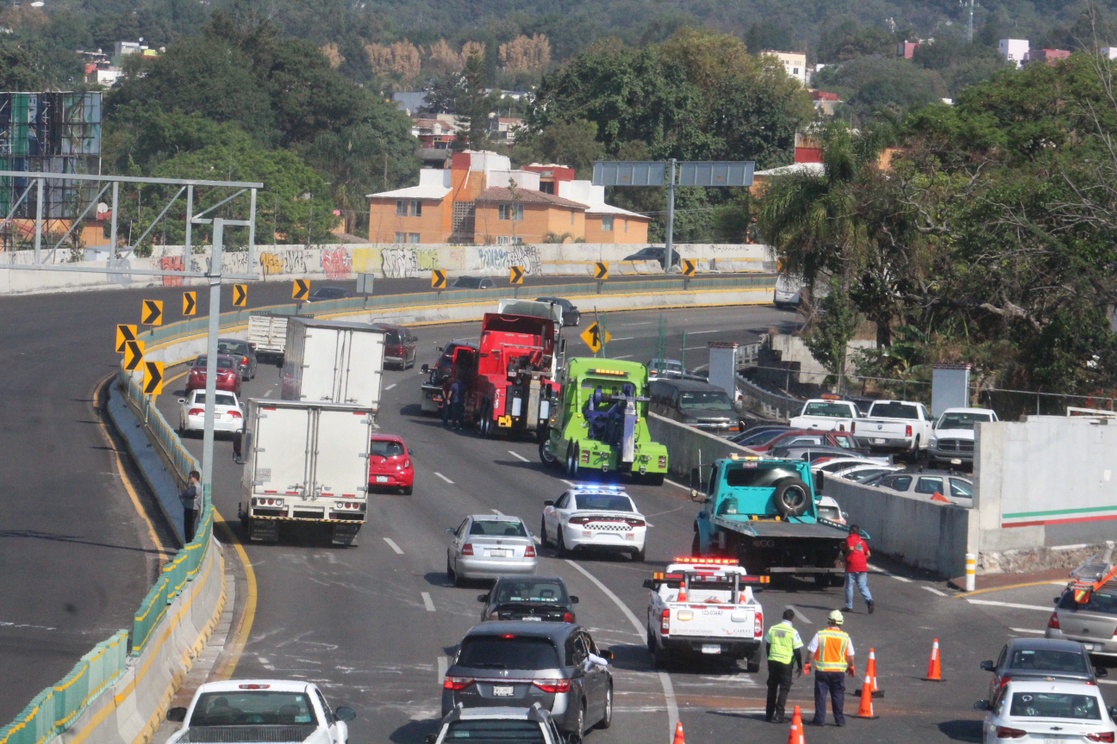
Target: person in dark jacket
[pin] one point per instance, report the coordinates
(191, 498)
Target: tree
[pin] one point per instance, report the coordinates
(474, 106)
(829, 337)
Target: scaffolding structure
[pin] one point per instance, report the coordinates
(50, 132)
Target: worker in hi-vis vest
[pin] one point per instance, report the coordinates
(831, 652)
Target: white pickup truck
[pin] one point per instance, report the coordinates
(705, 607)
(954, 436)
(826, 414)
(895, 426)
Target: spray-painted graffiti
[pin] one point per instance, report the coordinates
(337, 263)
(284, 261)
(172, 263)
(526, 256)
(396, 263)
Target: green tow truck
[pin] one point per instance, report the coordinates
(600, 424)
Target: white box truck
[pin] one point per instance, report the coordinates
(333, 361)
(267, 332)
(306, 467)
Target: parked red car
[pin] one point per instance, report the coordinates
(389, 464)
(228, 374)
(815, 437)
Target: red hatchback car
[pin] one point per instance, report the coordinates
(389, 464)
(228, 374)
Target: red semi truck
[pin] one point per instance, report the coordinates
(509, 377)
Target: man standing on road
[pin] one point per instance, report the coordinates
(457, 404)
(831, 650)
(857, 554)
(191, 499)
(782, 644)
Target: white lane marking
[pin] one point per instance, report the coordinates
(878, 569)
(569, 483)
(443, 477)
(443, 665)
(622, 338)
(641, 323)
(664, 678)
(9, 624)
(393, 546)
(427, 601)
(933, 590)
(1107, 681)
(1029, 630)
(699, 333)
(498, 512)
(518, 456)
(676, 485)
(389, 387)
(267, 394)
(1011, 605)
(800, 616)
(623, 356)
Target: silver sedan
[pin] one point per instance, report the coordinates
(487, 546)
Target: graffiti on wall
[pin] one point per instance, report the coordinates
(337, 263)
(284, 261)
(172, 263)
(398, 263)
(500, 257)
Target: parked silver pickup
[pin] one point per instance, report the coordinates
(898, 426)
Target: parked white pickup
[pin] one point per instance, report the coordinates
(826, 414)
(895, 426)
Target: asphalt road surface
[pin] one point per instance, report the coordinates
(377, 624)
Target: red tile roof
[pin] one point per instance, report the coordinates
(501, 194)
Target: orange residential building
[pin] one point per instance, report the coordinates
(482, 200)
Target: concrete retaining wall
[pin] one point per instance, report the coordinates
(346, 261)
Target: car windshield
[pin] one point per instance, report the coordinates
(530, 591)
(495, 731)
(220, 398)
(1048, 660)
(712, 400)
(468, 282)
(240, 708)
(508, 651)
(1055, 705)
(505, 528)
(826, 410)
(894, 409)
(961, 420)
(602, 502)
(387, 448)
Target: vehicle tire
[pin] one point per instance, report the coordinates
(752, 666)
(661, 657)
(653, 479)
(560, 544)
(576, 736)
(793, 498)
(607, 719)
(573, 469)
(837, 580)
(407, 491)
(651, 642)
(822, 580)
(452, 574)
(543, 543)
(696, 545)
(639, 555)
(545, 455)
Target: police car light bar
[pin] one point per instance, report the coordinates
(698, 560)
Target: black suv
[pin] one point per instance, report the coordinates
(541, 598)
(653, 253)
(521, 663)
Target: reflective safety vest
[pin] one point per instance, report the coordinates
(830, 656)
(782, 640)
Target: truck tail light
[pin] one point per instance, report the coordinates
(665, 622)
(758, 627)
(456, 683)
(1053, 623)
(907, 430)
(553, 686)
(852, 427)
(1004, 732)
(663, 461)
(584, 457)
(467, 549)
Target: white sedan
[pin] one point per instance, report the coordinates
(228, 416)
(261, 710)
(594, 517)
(1047, 710)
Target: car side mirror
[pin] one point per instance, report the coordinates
(482, 597)
(344, 713)
(176, 714)
(182, 400)
(981, 705)
(987, 665)
(548, 502)
(574, 600)
(606, 653)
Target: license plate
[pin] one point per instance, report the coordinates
(381, 479)
(532, 619)
(503, 690)
(1088, 646)
(878, 441)
(711, 648)
(499, 553)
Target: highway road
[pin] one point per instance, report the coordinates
(377, 624)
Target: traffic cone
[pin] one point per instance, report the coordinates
(679, 738)
(934, 666)
(866, 708)
(871, 672)
(795, 736)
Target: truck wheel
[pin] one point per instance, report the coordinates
(653, 479)
(572, 456)
(822, 580)
(545, 455)
(793, 498)
(752, 666)
(696, 546)
(661, 657)
(651, 642)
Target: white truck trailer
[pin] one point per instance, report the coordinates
(333, 361)
(267, 332)
(306, 467)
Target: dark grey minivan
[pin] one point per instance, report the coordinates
(699, 404)
(519, 663)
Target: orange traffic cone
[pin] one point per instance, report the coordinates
(795, 736)
(866, 708)
(871, 670)
(934, 666)
(679, 738)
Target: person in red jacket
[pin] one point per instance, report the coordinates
(857, 554)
